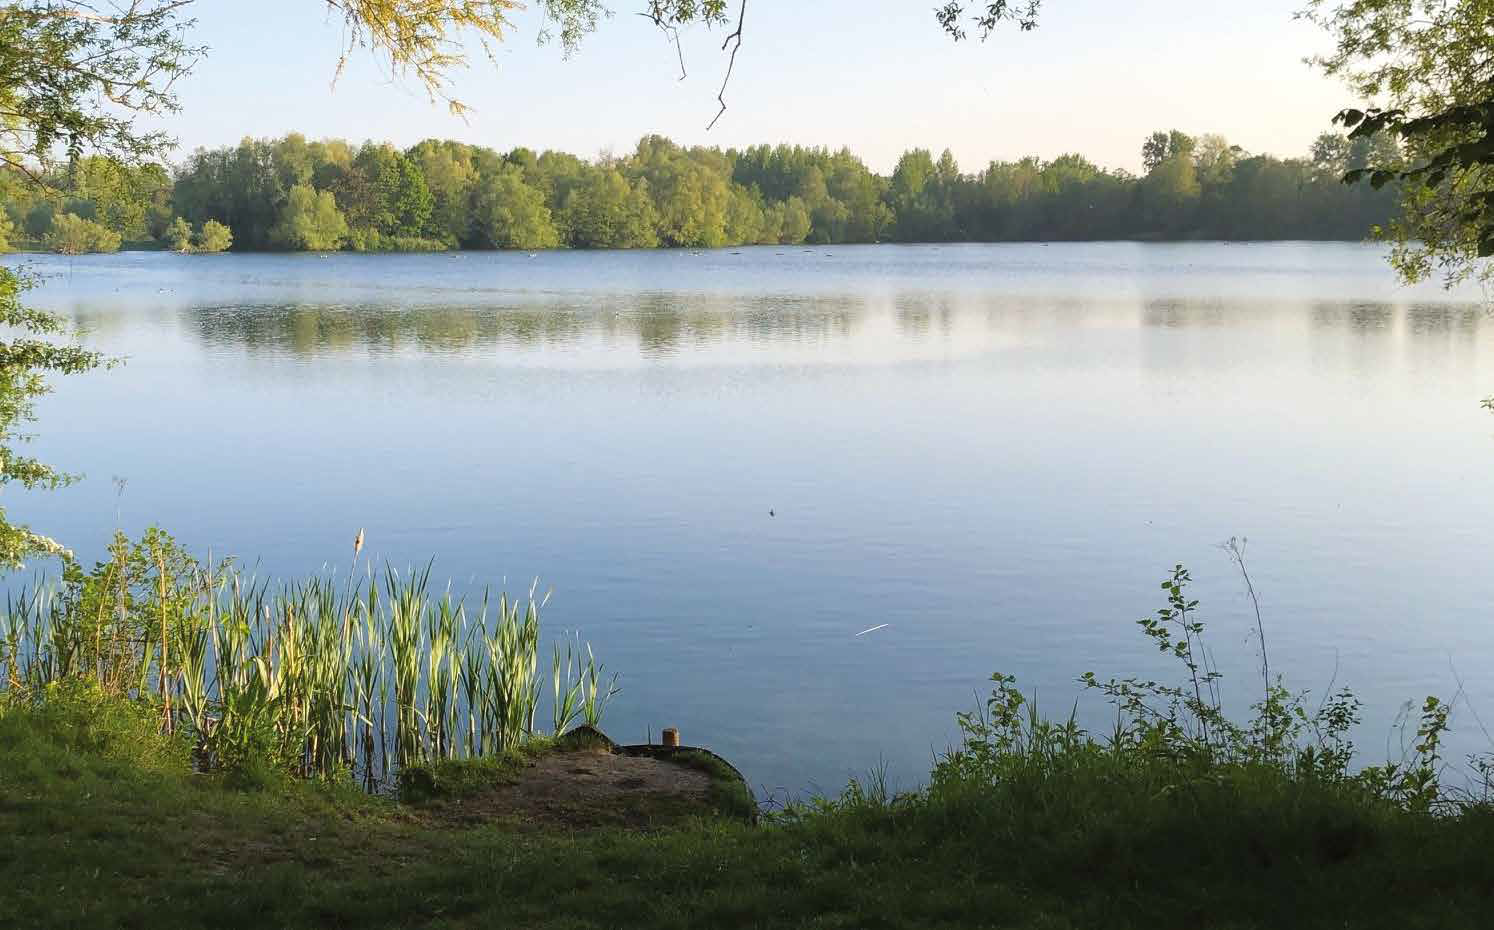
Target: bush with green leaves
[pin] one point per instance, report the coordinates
(179, 236)
(1177, 739)
(73, 235)
(213, 237)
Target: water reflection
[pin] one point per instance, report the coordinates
(663, 326)
(655, 327)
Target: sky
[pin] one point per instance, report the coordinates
(878, 76)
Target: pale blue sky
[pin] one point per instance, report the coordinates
(877, 75)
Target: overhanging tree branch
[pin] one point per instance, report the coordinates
(735, 41)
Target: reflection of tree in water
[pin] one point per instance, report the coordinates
(918, 314)
(1358, 316)
(310, 330)
(658, 324)
(1443, 318)
(1355, 316)
(1418, 319)
(1185, 312)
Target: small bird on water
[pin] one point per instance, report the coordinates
(772, 514)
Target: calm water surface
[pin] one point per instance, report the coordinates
(996, 451)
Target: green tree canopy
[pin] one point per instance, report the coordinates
(310, 221)
(607, 212)
(666, 194)
(510, 214)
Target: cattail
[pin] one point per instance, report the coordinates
(358, 543)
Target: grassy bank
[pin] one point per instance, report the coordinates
(114, 814)
(104, 824)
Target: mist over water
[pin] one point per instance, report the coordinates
(997, 451)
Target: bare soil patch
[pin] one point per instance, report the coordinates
(585, 790)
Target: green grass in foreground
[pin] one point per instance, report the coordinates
(1180, 818)
(104, 824)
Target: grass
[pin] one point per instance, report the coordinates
(103, 824)
(463, 778)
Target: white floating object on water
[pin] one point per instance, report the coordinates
(880, 626)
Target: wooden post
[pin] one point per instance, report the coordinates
(671, 737)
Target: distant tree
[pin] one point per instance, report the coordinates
(921, 196)
(449, 174)
(691, 191)
(1214, 158)
(179, 236)
(795, 222)
(1169, 193)
(849, 182)
(1330, 154)
(310, 221)
(1154, 150)
(72, 235)
(509, 214)
(39, 219)
(385, 192)
(745, 221)
(608, 212)
(1160, 146)
(7, 229)
(213, 237)
(241, 186)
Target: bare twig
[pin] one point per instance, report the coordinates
(1236, 549)
(735, 41)
(672, 33)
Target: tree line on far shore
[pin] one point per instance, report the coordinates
(295, 194)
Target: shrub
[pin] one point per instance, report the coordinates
(1176, 740)
(179, 236)
(371, 240)
(77, 718)
(72, 235)
(214, 237)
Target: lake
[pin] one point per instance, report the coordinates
(729, 464)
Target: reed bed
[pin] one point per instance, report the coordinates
(367, 675)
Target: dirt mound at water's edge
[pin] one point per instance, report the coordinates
(589, 782)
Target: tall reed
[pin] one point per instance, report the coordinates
(321, 678)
